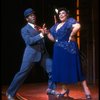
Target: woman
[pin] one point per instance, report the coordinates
(66, 60)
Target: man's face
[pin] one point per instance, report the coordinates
(31, 18)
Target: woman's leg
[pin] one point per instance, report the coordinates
(86, 89)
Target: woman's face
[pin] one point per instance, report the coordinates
(63, 15)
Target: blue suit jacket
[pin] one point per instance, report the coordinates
(34, 44)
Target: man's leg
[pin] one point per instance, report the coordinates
(48, 68)
(19, 78)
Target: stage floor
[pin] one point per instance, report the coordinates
(37, 91)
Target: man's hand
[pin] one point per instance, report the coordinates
(41, 30)
(44, 30)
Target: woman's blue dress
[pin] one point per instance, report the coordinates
(66, 59)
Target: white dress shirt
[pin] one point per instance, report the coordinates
(33, 26)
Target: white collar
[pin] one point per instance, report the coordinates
(32, 25)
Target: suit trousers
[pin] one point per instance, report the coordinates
(26, 67)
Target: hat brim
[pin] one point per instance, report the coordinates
(29, 13)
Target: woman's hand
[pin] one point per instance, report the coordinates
(72, 38)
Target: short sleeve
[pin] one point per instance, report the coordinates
(71, 21)
(52, 29)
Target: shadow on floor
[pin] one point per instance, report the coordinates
(51, 97)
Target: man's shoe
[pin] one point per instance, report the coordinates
(52, 92)
(9, 97)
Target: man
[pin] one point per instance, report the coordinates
(35, 51)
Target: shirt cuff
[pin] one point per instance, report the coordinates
(41, 35)
(56, 40)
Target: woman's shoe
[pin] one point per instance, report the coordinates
(66, 92)
(88, 97)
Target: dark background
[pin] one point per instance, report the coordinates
(12, 45)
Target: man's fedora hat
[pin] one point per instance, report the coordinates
(28, 11)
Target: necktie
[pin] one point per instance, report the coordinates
(36, 27)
